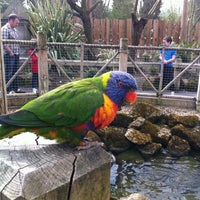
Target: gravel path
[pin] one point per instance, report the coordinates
(179, 111)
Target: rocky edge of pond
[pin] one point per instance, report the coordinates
(151, 129)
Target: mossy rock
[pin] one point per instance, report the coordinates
(158, 134)
(188, 120)
(137, 123)
(114, 138)
(150, 128)
(122, 120)
(150, 149)
(137, 137)
(147, 111)
(192, 135)
(178, 146)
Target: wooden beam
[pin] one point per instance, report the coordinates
(54, 172)
(3, 92)
(43, 74)
(123, 56)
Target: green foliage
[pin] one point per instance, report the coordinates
(121, 9)
(146, 57)
(193, 11)
(4, 4)
(192, 85)
(187, 56)
(171, 14)
(52, 17)
(101, 11)
(106, 54)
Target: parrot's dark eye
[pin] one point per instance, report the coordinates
(120, 84)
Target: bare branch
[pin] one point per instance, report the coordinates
(94, 6)
(135, 7)
(154, 8)
(74, 6)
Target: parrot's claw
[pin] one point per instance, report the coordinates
(84, 145)
(36, 140)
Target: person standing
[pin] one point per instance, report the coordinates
(169, 58)
(34, 69)
(11, 52)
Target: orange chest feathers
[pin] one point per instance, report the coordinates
(105, 114)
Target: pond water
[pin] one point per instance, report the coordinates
(161, 177)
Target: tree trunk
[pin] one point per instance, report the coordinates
(138, 26)
(87, 28)
(184, 21)
(83, 12)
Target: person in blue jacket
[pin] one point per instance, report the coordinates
(169, 58)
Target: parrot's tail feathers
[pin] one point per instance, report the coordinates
(10, 131)
(22, 118)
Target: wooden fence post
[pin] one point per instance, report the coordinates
(82, 61)
(198, 96)
(3, 93)
(161, 72)
(43, 74)
(54, 172)
(123, 56)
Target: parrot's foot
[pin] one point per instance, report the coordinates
(36, 140)
(86, 145)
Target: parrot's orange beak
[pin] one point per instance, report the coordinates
(131, 97)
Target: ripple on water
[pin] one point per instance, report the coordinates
(161, 177)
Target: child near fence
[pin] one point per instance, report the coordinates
(34, 69)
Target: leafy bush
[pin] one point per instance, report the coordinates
(187, 56)
(52, 17)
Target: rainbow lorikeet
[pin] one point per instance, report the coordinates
(69, 111)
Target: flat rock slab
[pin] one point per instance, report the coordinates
(54, 172)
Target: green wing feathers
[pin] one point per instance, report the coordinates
(54, 114)
(68, 105)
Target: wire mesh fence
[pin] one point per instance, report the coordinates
(147, 70)
(21, 77)
(74, 61)
(68, 62)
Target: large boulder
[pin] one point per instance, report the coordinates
(114, 138)
(148, 111)
(192, 135)
(158, 134)
(178, 146)
(188, 121)
(137, 137)
(150, 149)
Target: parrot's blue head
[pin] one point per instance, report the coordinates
(121, 86)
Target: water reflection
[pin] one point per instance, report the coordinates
(161, 177)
